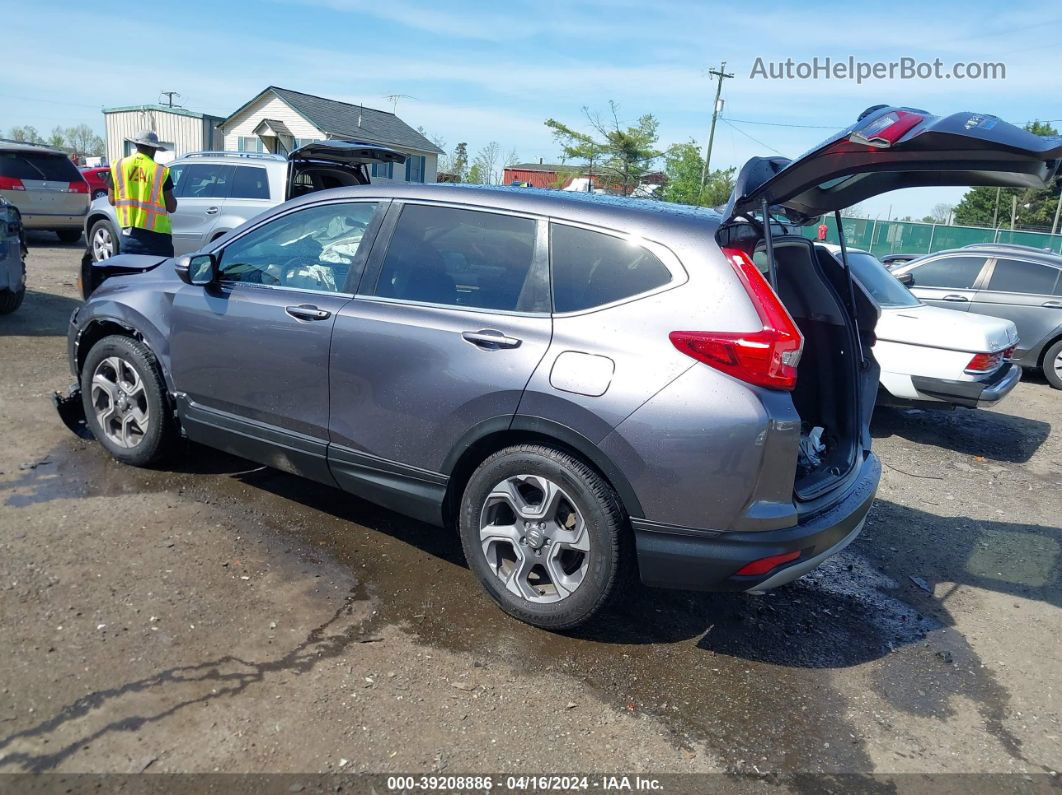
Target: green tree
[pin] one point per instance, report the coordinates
(682, 165)
(83, 140)
(622, 155)
(57, 138)
(986, 206)
(459, 162)
(27, 134)
(476, 175)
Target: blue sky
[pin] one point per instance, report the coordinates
(481, 71)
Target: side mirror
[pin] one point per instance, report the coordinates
(197, 269)
(906, 279)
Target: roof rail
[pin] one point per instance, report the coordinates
(249, 155)
(30, 143)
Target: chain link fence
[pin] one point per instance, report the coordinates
(912, 237)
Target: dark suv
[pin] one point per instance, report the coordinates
(581, 385)
(1019, 283)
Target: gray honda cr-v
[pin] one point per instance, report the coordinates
(580, 385)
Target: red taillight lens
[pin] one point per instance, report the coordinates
(767, 357)
(984, 362)
(760, 567)
(11, 183)
(887, 130)
(1008, 354)
(79, 186)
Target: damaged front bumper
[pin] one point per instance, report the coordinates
(71, 410)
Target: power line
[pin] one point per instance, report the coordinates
(755, 140)
(782, 124)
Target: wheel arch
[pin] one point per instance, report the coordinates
(105, 326)
(1050, 340)
(495, 434)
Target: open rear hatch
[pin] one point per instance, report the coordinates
(334, 164)
(888, 148)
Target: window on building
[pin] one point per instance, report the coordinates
(465, 258)
(382, 170)
(1019, 276)
(948, 272)
(250, 143)
(415, 168)
(593, 269)
(250, 182)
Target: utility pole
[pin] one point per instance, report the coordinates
(995, 212)
(169, 96)
(1013, 212)
(720, 74)
(1058, 209)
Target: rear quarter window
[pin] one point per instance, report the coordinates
(30, 165)
(250, 182)
(591, 269)
(949, 272)
(1019, 276)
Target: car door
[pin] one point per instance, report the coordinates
(249, 195)
(449, 323)
(249, 353)
(201, 190)
(947, 281)
(1026, 292)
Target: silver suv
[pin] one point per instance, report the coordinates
(218, 191)
(582, 386)
(45, 186)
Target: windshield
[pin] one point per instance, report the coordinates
(877, 281)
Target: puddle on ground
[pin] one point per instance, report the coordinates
(752, 677)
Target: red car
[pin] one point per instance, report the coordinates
(98, 179)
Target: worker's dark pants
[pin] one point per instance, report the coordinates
(144, 241)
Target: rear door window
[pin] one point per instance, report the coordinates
(1020, 276)
(590, 269)
(949, 272)
(205, 181)
(465, 258)
(250, 182)
(31, 165)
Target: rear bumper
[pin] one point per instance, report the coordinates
(971, 393)
(699, 560)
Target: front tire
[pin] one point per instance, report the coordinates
(543, 533)
(103, 241)
(1053, 365)
(125, 401)
(10, 300)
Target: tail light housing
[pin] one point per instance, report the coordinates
(78, 186)
(11, 183)
(982, 363)
(768, 357)
(885, 131)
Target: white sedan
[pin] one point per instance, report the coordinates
(932, 354)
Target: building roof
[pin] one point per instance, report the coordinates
(548, 167)
(346, 120)
(163, 109)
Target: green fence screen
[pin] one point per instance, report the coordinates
(911, 237)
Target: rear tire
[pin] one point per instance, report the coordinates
(1052, 366)
(125, 401)
(103, 241)
(68, 235)
(10, 300)
(545, 535)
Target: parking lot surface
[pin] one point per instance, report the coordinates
(220, 616)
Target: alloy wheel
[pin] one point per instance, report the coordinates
(1058, 365)
(120, 402)
(534, 538)
(102, 244)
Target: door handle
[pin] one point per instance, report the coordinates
(1052, 304)
(954, 297)
(212, 210)
(307, 312)
(490, 339)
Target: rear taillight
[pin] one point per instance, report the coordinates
(883, 132)
(1008, 354)
(984, 363)
(11, 183)
(78, 186)
(768, 357)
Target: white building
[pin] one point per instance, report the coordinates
(181, 130)
(280, 120)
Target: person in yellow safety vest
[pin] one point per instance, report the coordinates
(142, 193)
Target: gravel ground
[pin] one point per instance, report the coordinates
(219, 616)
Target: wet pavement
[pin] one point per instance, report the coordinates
(931, 644)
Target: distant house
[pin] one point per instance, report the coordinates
(280, 120)
(181, 130)
(558, 176)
